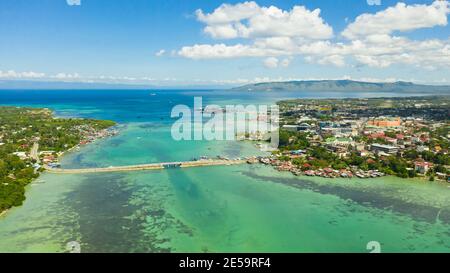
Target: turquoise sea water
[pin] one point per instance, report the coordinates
(212, 209)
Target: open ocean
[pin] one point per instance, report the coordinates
(247, 208)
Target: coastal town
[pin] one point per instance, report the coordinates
(364, 138)
(330, 138)
(32, 139)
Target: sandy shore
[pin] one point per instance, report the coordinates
(3, 213)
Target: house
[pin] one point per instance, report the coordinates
(46, 152)
(360, 147)
(48, 159)
(298, 152)
(363, 153)
(21, 155)
(376, 135)
(339, 146)
(422, 148)
(422, 166)
(391, 140)
(342, 129)
(385, 122)
(441, 176)
(24, 146)
(53, 165)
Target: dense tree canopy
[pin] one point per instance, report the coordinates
(20, 128)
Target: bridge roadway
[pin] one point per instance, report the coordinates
(154, 166)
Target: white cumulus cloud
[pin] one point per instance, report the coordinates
(285, 62)
(160, 53)
(222, 51)
(11, 74)
(372, 40)
(271, 62)
(249, 20)
(401, 17)
(373, 2)
(66, 76)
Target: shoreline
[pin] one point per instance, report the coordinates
(3, 213)
(333, 174)
(417, 178)
(423, 181)
(86, 139)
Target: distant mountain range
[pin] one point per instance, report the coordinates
(344, 86)
(294, 86)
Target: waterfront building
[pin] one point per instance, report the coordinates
(422, 166)
(441, 176)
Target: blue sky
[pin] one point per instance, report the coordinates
(118, 41)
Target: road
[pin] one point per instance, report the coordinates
(34, 153)
(153, 166)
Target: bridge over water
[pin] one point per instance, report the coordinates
(153, 166)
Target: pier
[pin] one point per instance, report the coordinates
(153, 166)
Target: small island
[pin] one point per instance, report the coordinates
(32, 139)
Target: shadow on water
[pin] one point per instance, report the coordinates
(196, 206)
(232, 150)
(371, 198)
(105, 216)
